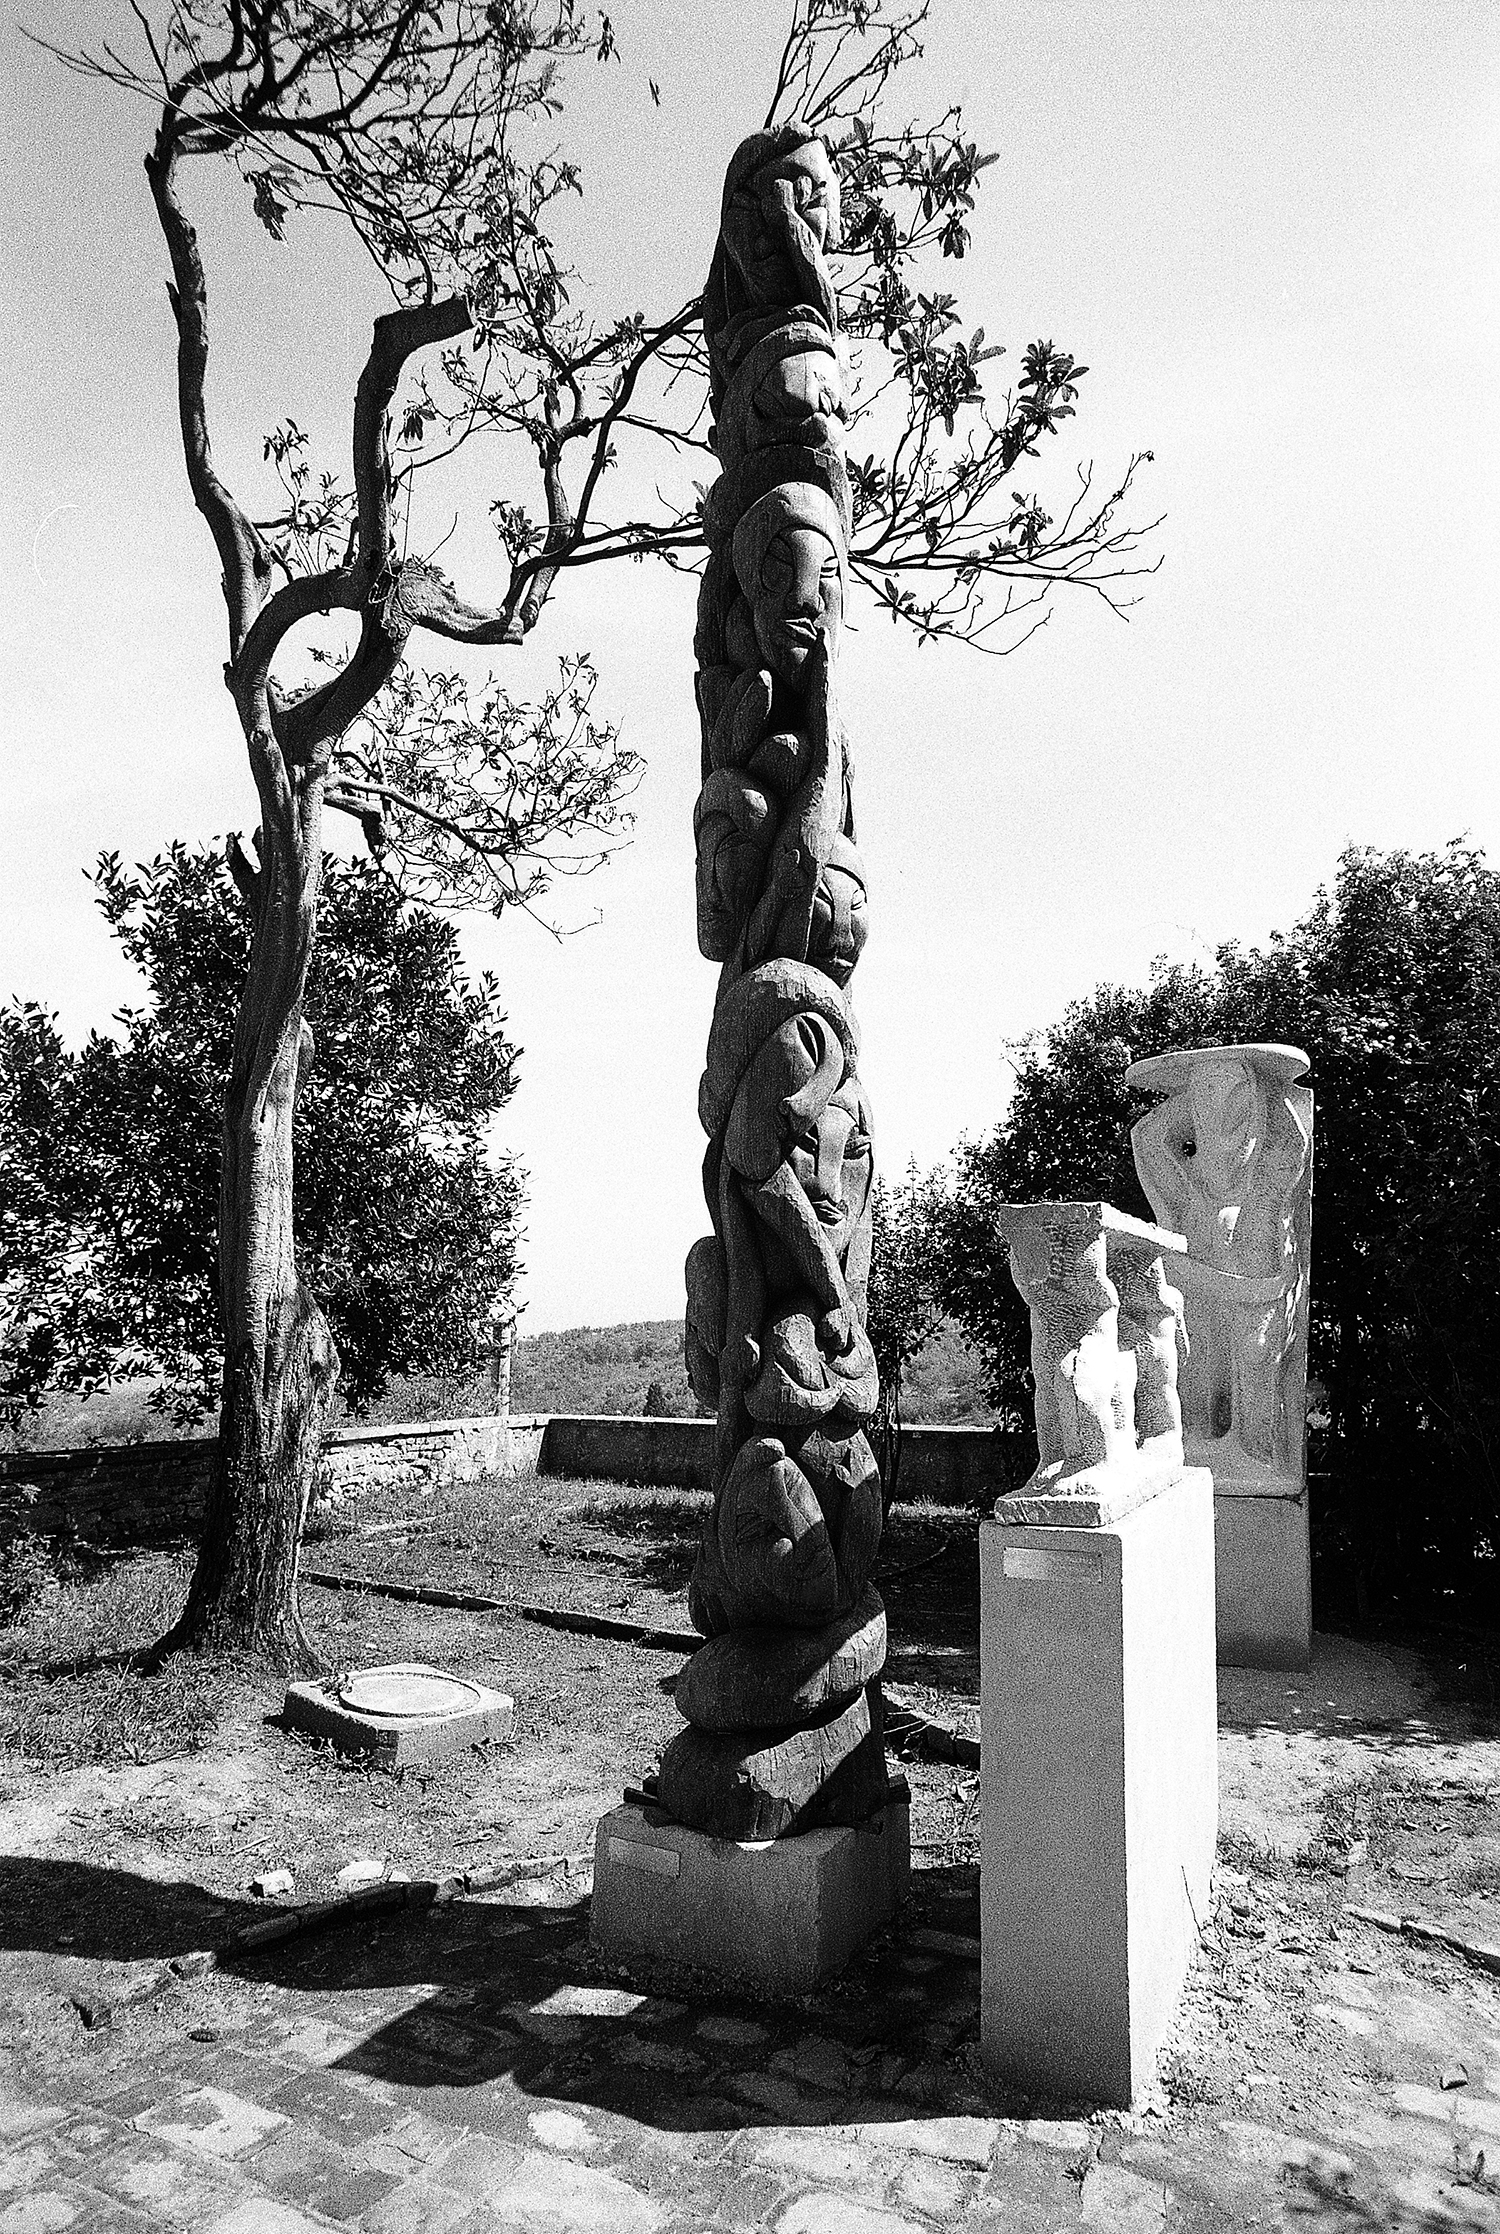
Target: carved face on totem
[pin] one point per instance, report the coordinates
(836, 938)
(798, 597)
(796, 399)
(798, 188)
(833, 1160)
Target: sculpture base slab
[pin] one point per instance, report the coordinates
(777, 1916)
(404, 1713)
(1099, 1728)
(1093, 1497)
(1264, 1585)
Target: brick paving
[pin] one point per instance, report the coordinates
(472, 2071)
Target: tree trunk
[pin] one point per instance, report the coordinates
(889, 1432)
(280, 1361)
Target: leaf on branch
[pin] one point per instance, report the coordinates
(269, 207)
(516, 529)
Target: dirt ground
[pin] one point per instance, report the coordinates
(134, 1814)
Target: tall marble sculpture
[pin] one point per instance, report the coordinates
(783, 1703)
(1226, 1158)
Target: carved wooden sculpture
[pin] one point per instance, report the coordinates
(783, 1705)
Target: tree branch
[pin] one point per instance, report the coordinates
(398, 335)
(242, 555)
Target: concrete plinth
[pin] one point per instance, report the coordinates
(404, 1712)
(1099, 1711)
(779, 1916)
(1264, 1584)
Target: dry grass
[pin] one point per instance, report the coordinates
(70, 1699)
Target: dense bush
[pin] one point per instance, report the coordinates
(1392, 985)
(110, 1156)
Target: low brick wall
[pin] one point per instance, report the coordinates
(423, 1454)
(136, 1493)
(150, 1493)
(660, 1454)
(949, 1465)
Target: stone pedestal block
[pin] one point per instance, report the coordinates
(402, 1713)
(1100, 1794)
(1264, 1578)
(777, 1916)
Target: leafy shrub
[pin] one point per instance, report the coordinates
(29, 1580)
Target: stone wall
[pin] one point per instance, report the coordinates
(951, 1465)
(423, 1454)
(137, 1493)
(662, 1454)
(151, 1493)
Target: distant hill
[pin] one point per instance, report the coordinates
(603, 1369)
(590, 1369)
(638, 1368)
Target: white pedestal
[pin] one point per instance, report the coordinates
(1099, 1714)
(778, 1916)
(1264, 1588)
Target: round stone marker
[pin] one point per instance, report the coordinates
(406, 1693)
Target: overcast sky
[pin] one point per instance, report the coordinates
(1271, 231)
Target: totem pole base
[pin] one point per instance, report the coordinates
(1264, 1581)
(775, 1918)
(1098, 1706)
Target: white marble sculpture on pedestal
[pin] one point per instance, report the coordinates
(1107, 1344)
(1226, 1159)
(1097, 1689)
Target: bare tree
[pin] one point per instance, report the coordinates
(423, 129)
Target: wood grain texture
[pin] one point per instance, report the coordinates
(775, 1334)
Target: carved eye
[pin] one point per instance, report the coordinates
(858, 1144)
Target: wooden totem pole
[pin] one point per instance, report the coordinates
(783, 1702)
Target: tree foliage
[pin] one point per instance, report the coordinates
(437, 136)
(904, 1309)
(1392, 985)
(109, 1157)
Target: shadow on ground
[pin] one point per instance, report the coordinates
(110, 1915)
(1358, 1688)
(509, 1991)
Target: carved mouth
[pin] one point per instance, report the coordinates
(800, 632)
(829, 1213)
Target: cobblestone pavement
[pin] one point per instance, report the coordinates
(471, 2072)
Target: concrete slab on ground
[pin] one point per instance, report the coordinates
(403, 1713)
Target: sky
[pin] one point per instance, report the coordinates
(1270, 229)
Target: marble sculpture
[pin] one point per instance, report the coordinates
(1107, 1347)
(783, 1702)
(1226, 1159)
